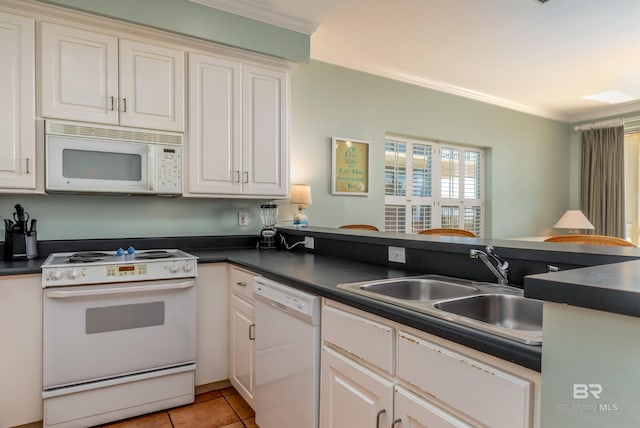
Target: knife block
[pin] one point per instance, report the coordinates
(20, 246)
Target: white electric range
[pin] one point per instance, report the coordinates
(119, 333)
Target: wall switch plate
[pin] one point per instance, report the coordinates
(309, 242)
(396, 254)
(242, 218)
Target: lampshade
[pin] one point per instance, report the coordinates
(573, 219)
(301, 194)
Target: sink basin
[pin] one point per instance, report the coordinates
(418, 289)
(501, 310)
(492, 308)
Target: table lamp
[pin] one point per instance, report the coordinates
(301, 195)
(574, 220)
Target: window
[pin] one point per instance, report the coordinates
(432, 185)
(632, 183)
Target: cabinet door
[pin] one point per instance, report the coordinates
(21, 355)
(242, 347)
(215, 118)
(17, 98)
(487, 394)
(151, 86)
(79, 75)
(265, 155)
(351, 395)
(412, 411)
(211, 325)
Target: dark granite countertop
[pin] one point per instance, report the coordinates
(611, 288)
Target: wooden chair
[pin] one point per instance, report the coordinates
(590, 240)
(360, 226)
(448, 232)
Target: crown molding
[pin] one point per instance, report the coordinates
(333, 58)
(253, 10)
(608, 111)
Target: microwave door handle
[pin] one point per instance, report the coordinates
(66, 294)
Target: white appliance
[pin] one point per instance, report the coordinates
(118, 334)
(84, 157)
(287, 386)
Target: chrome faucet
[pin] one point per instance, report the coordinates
(501, 268)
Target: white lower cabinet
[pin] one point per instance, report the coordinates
(21, 350)
(353, 396)
(413, 411)
(391, 375)
(242, 333)
(211, 324)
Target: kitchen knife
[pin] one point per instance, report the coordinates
(32, 228)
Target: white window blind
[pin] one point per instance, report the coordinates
(432, 185)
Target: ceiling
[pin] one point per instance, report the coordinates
(538, 58)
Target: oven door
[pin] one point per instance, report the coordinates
(101, 331)
(93, 165)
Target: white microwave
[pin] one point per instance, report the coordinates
(92, 158)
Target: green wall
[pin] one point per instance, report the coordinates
(527, 162)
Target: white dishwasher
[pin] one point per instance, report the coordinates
(287, 346)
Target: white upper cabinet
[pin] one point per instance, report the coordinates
(214, 150)
(17, 104)
(238, 129)
(99, 78)
(151, 86)
(264, 133)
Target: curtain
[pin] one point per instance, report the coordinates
(602, 183)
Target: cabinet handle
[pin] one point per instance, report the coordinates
(27, 165)
(380, 413)
(236, 175)
(245, 177)
(395, 421)
(113, 103)
(124, 103)
(252, 332)
(241, 284)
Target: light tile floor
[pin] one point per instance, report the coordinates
(224, 408)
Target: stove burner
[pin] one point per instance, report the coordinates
(89, 254)
(86, 257)
(155, 254)
(73, 259)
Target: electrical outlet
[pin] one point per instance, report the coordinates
(242, 218)
(309, 242)
(396, 254)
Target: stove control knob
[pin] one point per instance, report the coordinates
(174, 268)
(188, 267)
(74, 274)
(55, 275)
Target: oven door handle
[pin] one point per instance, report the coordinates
(66, 294)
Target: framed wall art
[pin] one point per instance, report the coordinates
(350, 166)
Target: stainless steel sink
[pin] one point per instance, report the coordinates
(419, 289)
(501, 310)
(496, 309)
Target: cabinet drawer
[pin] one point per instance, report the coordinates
(241, 283)
(488, 395)
(362, 337)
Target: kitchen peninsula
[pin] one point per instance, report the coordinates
(340, 257)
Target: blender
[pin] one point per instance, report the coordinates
(268, 217)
